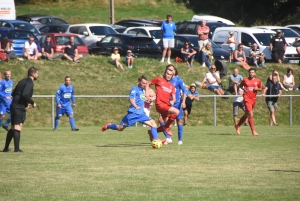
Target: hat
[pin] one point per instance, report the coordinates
(116, 48)
(278, 31)
(230, 32)
(193, 85)
(128, 51)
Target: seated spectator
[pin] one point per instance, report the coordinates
(7, 48)
(239, 58)
(129, 59)
(48, 49)
(207, 55)
(115, 58)
(71, 51)
(213, 81)
(275, 73)
(191, 95)
(257, 57)
(188, 54)
(231, 41)
(31, 51)
(234, 81)
(289, 80)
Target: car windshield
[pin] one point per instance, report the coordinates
(19, 35)
(155, 34)
(62, 40)
(288, 33)
(26, 26)
(102, 30)
(264, 38)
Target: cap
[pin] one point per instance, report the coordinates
(128, 51)
(278, 31)
(193, 85)
(230, 32)
(116, 48)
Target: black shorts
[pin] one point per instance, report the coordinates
(188, 108)
(18, 114)
(278, 55)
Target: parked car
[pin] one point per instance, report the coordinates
(152, 32)
(140, 46)
(201, 17)
(118, 28)
(60, 39)
(54, 28)
(139, 23)
(191, 27)
(19, 24)
(180, 39)
(18, 38)
(91, 33)
(39, 20)
(295, 27)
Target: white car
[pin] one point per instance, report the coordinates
(152, 32)
(295, 27)
(200, 17)
(91, 33)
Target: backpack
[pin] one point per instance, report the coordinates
(3, 56)
(178, 60)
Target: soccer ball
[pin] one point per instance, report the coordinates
(156, 144)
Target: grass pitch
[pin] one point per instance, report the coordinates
(212, 164)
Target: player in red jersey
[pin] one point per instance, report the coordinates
(165, 98)
(250, 86)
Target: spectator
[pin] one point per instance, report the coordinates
(168, 29)
(278, 47)
(213, 80)
(298, 51)
(47, 49)
(240, 57)
(31, 50)
(8, 48)
(191, 95)
(289, 80)
(231, 41)
(207, 55)
(115, 58)
(203, 32)
(148, 104)
(188, 54)
(257, 57)
(275, 72)
(71, 51)
(238, 102)
(129, 59)
(234, 81)
(272, 88)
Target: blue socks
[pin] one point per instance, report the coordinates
(0, 122)
(165, 133)
(113, 126)
(154, 133)
(72, 122)
(7, 121)
(56, 122)
(180, 130)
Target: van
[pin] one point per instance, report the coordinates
(201, 17)
(7, 10)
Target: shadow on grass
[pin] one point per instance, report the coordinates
(284, 171)
(126, 145)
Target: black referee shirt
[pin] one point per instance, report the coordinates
(278, 43)
(23, 92)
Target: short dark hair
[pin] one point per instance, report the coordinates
(31, 36)
(143, 77)
(169, 15)
(251, 69)
(289, 70)
(32, 70)
(48, 36)
(176, 71)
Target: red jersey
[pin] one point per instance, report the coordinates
(164, 90)
(249, 85)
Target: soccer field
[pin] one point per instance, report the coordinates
(212, 164)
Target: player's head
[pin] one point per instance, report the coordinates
(143, 81)
(169, 18)
(252, 72)
(169, 75)
(172, 68)
(7, 74)
(33, 72)
(67, 80)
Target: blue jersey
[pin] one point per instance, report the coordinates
(179, 86)
(168, 29)
(6, 90)
(64, 94)
(138, 94)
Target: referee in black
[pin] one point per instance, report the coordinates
(21, 98)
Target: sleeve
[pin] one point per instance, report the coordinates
(27, 91)
(2, 95)
(112, 56)
(259, 84)
(208, 75)
(272, 40)
(242, 84)
(279, 86)
(162, 26)
(75, 47)
(58, 96)
(268, 85)
(35, 46)
(154, 81)
(26, 45)
(132, 93)
(72, 95)
(196, 93)
(182, 87)
(284, 40)
(174, 27)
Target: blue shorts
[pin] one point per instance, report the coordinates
(4, 109)
(231, 48)
(213, 88)
(68, 110)
(131, 118)
(236, 62)
(178, 106)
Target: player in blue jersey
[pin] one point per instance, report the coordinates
(179, 104)
(135, 112)
(64, 95)
(6, 86)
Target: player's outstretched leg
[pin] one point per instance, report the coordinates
(5, 126)
(112, 127)
(72, 123)
(251, 123)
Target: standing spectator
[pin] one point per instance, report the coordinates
(48, 49)
(168, 29)
(115, 58)
(298, 51)
(257, 57)
(203, 32)
(188, 54)
(192, 94)
(129, 59)
(234, 81)
(71, 51)
(207, 55)
(231, 41)
(149, 103)
(236, 104)
(31, 51)
(272, 88)
(278, 47)
(289, 80)
(21, 98)
(275, 72)
(8, 48)
(239, 57)
(213, 80)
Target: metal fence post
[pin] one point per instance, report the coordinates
(52, 108)
(215, 110)
(291, 110)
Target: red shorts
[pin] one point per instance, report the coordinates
(163, 109)
(249, 105)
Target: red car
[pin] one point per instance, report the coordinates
(60, 39)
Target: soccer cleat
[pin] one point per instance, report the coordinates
(18, 150)
(179, 142)
(168, 131)
(5, 127)
(55, 129)
(164, 141)
(169, 140)
(75, 129)
(104, 128)
(6, 150)
(150, 135)
(254, 133)
(238, 129)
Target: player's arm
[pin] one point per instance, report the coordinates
(2, 94)
(132, 101)
(173, 97)
(184, 90)
(258, 87)
(57, 97)
(73, 98)
(26, 93)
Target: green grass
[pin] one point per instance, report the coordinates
(212, 164)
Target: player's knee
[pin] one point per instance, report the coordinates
(71, 116)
